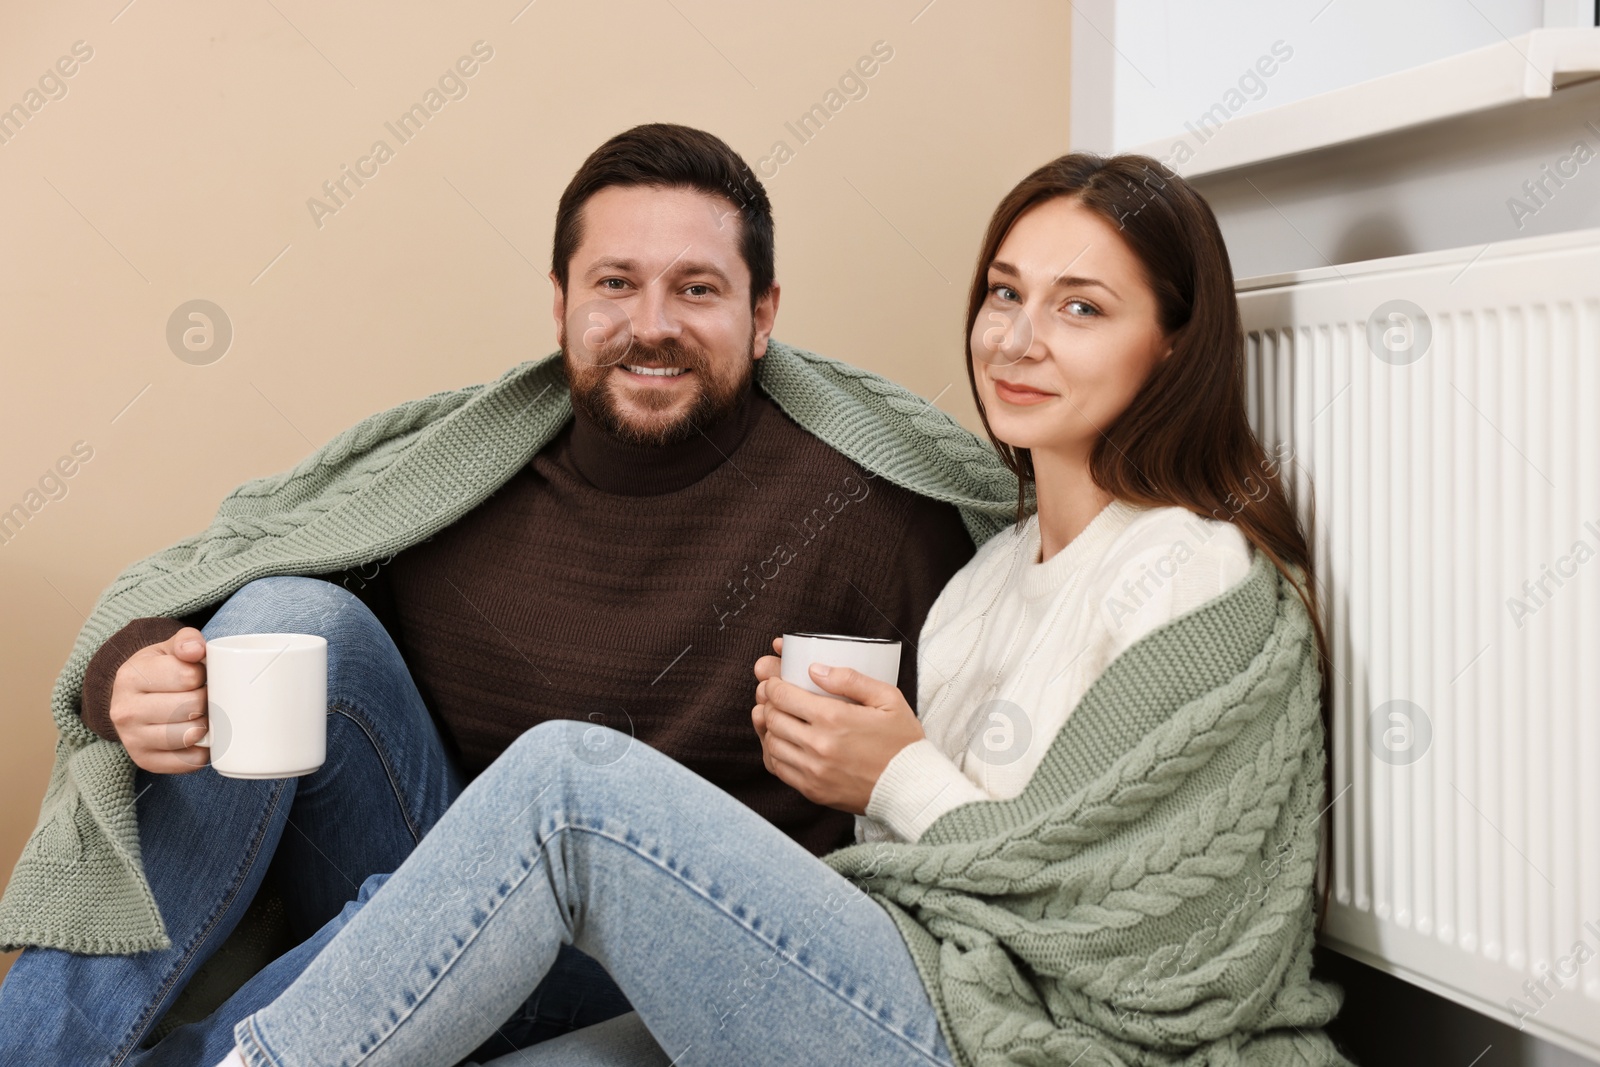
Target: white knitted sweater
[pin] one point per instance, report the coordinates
(1012, 644)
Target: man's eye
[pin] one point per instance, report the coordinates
(612, 283)
(698, 290)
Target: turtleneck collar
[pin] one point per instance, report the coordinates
(613, 466)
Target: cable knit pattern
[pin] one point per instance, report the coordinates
(1148, 898)
(388, 482)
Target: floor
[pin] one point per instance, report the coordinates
(1390, 1023)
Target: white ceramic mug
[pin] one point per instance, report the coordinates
(876, 657)
(267, 701)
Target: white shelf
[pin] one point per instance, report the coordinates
(1466, 255)
(1529, 67)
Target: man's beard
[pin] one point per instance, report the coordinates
(592, 394)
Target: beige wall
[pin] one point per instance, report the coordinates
(179, 162)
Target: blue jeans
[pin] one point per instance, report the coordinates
(206, 842)
(733, 943)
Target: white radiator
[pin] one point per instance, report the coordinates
(1446, 408)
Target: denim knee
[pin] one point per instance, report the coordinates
(562, 737)
(574, 744)
(291, 604)
(540, 742)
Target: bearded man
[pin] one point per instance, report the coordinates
(619, 545)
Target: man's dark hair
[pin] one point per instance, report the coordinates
(665, 155)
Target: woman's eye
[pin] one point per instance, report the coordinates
(1081, 309)
(1003, 291)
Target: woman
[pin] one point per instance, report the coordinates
(1096, 845)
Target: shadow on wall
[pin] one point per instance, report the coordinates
(1375, 236)
(1386, 1022)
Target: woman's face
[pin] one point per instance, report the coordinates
(1068, 332)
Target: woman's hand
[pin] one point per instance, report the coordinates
(832, 751)
(766, 667)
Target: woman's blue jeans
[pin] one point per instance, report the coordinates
(733, 944)
(206, 842)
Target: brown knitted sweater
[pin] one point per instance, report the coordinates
(637, 587)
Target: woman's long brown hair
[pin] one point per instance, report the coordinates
(1185, 439)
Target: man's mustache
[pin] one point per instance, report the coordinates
(664, 354)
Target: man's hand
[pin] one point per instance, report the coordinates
(158, 704)
(832, 751)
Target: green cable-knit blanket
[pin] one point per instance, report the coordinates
(1148, 898)
(390, 481)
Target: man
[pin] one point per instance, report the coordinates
(630, 572)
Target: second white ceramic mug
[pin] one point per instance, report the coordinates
(876, 657)
(267, 702)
